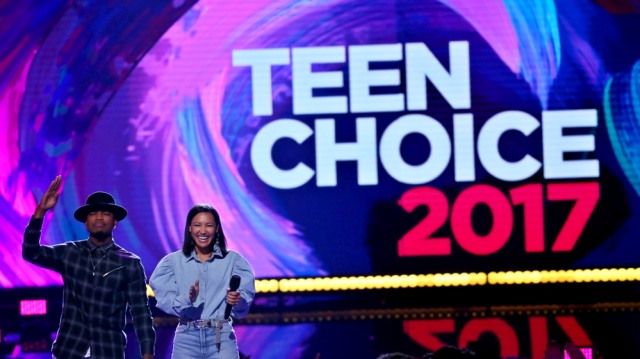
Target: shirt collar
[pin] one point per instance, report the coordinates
(100, 249)
(216, 253)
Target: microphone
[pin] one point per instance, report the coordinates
(234, 283)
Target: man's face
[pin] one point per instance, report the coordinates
(100, 224)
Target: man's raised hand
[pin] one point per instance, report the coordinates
(49, 198)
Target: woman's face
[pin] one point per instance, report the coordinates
(203, 230)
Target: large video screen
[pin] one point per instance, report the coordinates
(334, 137)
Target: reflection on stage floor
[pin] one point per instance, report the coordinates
(519, 321)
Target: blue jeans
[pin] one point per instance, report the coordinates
(190, 343)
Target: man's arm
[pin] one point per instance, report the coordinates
(140, 310)
(32, 251)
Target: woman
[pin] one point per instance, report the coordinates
(194, 284)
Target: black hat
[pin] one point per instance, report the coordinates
(100, 201)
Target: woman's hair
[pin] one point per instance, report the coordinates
(188, 244)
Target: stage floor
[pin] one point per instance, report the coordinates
(519, 321)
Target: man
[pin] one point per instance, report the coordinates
(101, 281)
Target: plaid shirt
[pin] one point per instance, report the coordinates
(97, 294)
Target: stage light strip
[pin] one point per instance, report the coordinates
(288, 285)
(565, 276)
(326, 284)
(322, 284)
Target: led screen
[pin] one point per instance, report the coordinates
(334, 137)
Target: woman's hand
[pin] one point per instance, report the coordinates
(233, 297)
(194, 290)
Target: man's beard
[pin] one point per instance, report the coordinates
(101, 236)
